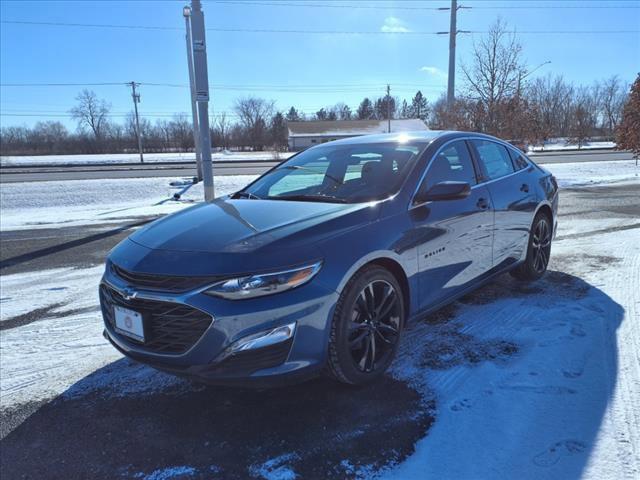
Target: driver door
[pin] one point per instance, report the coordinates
(457, 235)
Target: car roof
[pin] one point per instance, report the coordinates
(423, 136)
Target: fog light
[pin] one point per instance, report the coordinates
(264, 339)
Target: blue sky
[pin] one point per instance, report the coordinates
(306, 70)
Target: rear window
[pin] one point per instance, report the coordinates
(519, 161)
(494, 158)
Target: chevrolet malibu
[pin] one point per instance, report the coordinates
(318, 265)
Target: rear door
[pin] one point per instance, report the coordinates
(454, 236)
(512, 196)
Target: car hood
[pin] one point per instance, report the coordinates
(236, 226)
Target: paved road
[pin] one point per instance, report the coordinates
(234, 167)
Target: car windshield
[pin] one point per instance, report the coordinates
(338, 173)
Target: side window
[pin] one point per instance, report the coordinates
(494, 157)
(518, 159)
(453, 163)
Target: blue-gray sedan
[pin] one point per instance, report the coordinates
(317, 266)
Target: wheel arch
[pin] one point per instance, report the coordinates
(390, 264)
(545, 208)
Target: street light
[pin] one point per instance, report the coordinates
(186, 13)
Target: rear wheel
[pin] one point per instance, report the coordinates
(366, 327)
(538, 250)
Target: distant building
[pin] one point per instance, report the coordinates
(306, 134)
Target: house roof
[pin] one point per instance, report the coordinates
(342, 128)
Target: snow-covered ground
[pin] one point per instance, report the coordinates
(538, 381)
(566, 404)
(7, 161)
(86, 202)
(560, 144)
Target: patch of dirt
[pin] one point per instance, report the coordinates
(448, 347)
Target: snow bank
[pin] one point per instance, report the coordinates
(86, 202)
(226, 155)
(589, 173)
(560, 144)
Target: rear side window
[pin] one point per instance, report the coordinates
(494, 158)
(518, 160)
(453, 163)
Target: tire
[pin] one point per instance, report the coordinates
(538, 250)
(366, 327)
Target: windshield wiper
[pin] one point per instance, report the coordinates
(248, 195)
(299, 167)
(309, 198)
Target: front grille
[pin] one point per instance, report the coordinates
(163, 283)
(248, 361)
(169, 328)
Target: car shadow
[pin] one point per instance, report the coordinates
(96, 431)
(128, 420)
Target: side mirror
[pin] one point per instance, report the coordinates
(445, 191)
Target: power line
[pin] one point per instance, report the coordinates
(404, 7)
(316, 32)
(300, 88)
(61, 84)
(320, 5)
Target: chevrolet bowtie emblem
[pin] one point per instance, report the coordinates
(129, 293)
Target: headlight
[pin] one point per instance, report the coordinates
(263, 284)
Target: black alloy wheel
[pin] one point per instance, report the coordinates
(538, 251)
(367, 327)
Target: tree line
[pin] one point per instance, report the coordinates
(498, 96)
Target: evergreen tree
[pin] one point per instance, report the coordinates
(293, 115)
(332, 115)
(405, 111)
(419, 106)
(365, 110)
(628, 132)
(279, 134)
(381, 109)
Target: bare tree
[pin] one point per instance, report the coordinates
(612, 99)
(91, 112)
(583, 115)
(221, 129)
(551, 97)
(343, 111)
(496, 73)
(254, 113)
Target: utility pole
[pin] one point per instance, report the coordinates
(388, 108)
(453, 30)
(136, 101)
(186, 12)
(201, 76)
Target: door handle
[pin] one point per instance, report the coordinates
(524, 188)
(482, 203)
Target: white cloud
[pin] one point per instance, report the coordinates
(434, 71)
(393, 25)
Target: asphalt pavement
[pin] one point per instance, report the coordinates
(37, 173)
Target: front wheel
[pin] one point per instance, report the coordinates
(538, 250)
(366, 327)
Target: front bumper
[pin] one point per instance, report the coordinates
(204, 352)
